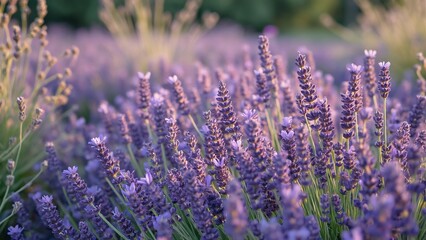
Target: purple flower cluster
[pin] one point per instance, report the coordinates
(241, 161)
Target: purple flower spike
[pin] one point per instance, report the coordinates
(384, 79)
(16, 232)
(110, 164)
(370, 53)
(353, 68)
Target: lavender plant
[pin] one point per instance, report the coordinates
(242, 166)
(33, 83)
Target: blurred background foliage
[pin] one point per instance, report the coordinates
(366, 27)
(251, 14)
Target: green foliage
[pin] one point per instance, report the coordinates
(26, 97)
(148, 34)
(397, 28)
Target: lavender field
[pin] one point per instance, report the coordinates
(171, 127)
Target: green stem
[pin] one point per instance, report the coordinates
(112, 226)
(7, 218)
(272, 130)
(28, 184)
(5, 197)
(195, 126)
(376, 105)
(5, 155)
(385, 124)
(347, 144)
(311, 139)
(356, 127)
(278, 108)
(133, 161)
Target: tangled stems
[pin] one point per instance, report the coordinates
(28, 184)
(3, 202)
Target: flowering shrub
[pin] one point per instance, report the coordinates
(250, 153)
(245, 151)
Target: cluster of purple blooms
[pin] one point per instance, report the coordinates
(257, 157)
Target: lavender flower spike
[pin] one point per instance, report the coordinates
(15, 232)
(369, 72)
(180, 96)
(105, 156)
(355, 85)
(384, 80)
(51, 216)
(144, 90)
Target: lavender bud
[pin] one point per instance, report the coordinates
(416, 114)
(11, 165)
(384, 79)
(144, 90)
(51, 216)
(55, 165)
(22, 106)
(159, 113)
(262, 87)
(327, 128)
(370, 72)
(308, 89)
(105, 156)
(10, 179)
(325, 208)
(355, 85)
(347, 120)
(15, 232)
(180, 96)
(124, 129)
(228, 121)
(378, 123)
(221, 174)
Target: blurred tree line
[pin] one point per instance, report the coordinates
(252, 14)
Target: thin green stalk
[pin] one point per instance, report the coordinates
(120, 197)
(195, 126)
(376, 105)
(278, 109)
(5, 155)
(5, 197)
(148, 126)
(385, 124)
(356, 127)
(69, 217)
(311, 139)
(272, 131)
(133, 160)
(112, 226)
(115, 190)
(7, 218)
(28, 184)
(347, 144)
(163, 155)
